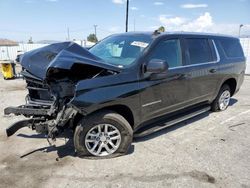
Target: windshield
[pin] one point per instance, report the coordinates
(121, 50)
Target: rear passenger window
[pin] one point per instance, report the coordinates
(231, 47)
(168, 50)
(199, 51)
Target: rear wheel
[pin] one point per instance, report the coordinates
(104, 134)
(222, 100)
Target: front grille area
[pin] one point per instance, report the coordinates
(39, 92)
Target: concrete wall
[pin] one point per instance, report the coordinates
(245, 43)
(10, 52)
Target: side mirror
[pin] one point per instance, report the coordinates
(156, 66)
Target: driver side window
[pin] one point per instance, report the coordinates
(169, 51)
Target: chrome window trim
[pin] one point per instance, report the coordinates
(216, 52)
(206, 63)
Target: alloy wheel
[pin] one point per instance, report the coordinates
(224, 100)
(103, 139)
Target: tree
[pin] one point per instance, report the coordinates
(30, 41)
(161, 29)
(92, 38)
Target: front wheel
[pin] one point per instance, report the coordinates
(104, 134)
(222, 100)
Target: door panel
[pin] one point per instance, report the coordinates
(165, 95)
(202, 67)
(203, 82)
(165, 92)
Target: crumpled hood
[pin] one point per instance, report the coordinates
(60, 55)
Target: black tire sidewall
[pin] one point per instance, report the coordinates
(107, 117)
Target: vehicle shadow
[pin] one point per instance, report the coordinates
(63, 150)
(38, 136)
(232, 101)
(67, 149)
(178, 125)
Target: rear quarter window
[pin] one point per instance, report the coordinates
(231, 48)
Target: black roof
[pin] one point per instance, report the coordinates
(177, 33)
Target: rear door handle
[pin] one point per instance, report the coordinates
(212, 70)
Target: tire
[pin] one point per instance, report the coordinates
(88, 130)
(225, 90)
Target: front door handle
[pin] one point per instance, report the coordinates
(212, 70)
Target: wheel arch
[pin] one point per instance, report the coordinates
(232, 83)
(121, 109)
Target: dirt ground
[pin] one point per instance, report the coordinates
(211, 150)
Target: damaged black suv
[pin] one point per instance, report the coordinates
(127, 85)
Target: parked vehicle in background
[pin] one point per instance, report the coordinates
(127, 85)
(18, 57)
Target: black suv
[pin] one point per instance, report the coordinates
(127, 85)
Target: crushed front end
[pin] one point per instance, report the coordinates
(51, 74)
(47, 106)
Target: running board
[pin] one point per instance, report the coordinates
(162, 125)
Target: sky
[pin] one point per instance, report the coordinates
(50, 19)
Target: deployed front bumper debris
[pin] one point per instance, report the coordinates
(18, 125)
(26, 111)
(40, 120)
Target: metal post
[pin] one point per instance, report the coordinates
(95, 29)
(127, 16)
(241, 25)
(8, 55)
(68, 33)
(134, 24)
